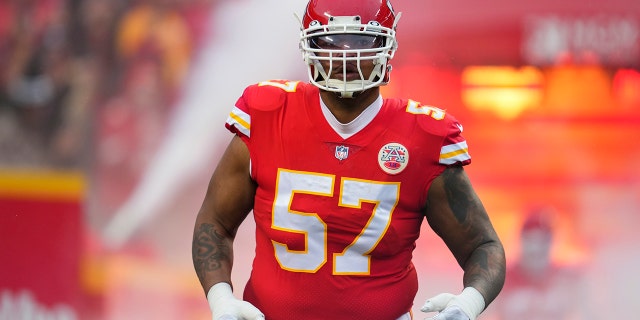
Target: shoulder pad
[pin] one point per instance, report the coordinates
(268, 95)
(431, 119)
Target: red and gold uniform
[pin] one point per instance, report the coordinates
(337, 219)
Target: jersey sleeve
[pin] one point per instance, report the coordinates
(454, 150)
(239, 119)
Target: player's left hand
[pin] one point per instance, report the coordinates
(465, 306)
(439, 304)
(450, 313)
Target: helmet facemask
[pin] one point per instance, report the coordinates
(337, 53)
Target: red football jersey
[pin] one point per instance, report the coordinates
(337, 219)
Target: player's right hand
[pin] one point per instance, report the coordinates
(225, 306)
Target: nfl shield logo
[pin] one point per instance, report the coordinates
(342, 152)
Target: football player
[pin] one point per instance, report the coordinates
(340, 180)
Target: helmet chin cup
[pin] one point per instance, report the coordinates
(346, 89)
(347, 94)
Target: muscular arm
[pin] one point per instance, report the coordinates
(457, 215)
(228, 200)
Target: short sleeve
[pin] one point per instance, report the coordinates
(454, 150)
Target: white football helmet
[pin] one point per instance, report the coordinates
(341, 40)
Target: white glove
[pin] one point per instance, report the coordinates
(465, 306)
(225, 306)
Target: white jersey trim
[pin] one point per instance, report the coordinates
(346, 130)
(453, 153)
(240, 120)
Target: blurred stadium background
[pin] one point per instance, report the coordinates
(112, 119)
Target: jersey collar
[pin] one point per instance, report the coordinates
(346, 130)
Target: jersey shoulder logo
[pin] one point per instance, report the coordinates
(393, 158)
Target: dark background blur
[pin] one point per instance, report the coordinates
(112, 120)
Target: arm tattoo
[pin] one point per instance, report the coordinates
(209, 250)
(459, 193)
(485, 265)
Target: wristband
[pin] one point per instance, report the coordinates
(220, 290)
(471, 302)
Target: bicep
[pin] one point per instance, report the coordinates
(455, 212)
(231, 190)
